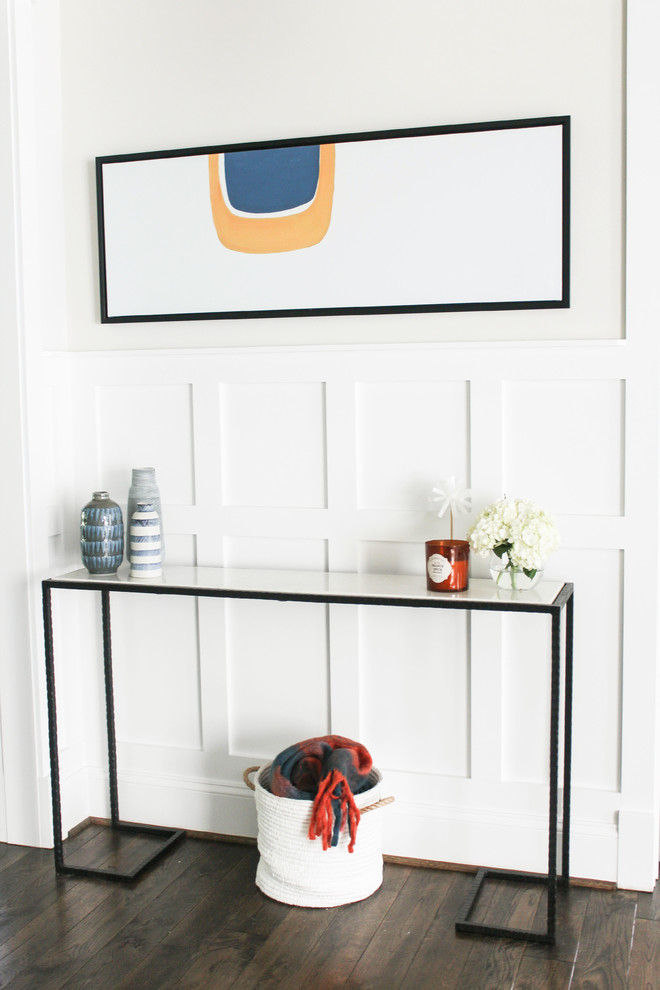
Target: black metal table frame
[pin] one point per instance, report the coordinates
(562, 603)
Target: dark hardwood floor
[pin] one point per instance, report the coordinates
(196, 920)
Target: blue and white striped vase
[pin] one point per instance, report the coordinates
(145, 546)
(144, 488)
(101, 535)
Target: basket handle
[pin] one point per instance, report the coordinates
(378, 804)
(363, 811)
(246, 776)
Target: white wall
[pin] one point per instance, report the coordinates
(20, 635)
(156, 75)
(559, 406)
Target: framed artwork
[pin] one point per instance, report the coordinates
(422, 220)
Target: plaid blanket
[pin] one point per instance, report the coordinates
(327, 770)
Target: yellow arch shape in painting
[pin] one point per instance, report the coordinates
(268, 235)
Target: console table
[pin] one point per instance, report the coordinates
(548, 598)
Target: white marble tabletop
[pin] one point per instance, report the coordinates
(254, 582)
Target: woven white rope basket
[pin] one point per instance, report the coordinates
(297, 870)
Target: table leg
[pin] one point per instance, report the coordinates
(110, 708)
(52, 729)
(568, 723)
(554, 772)
(160, 839)
(549, 880)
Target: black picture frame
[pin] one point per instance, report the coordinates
(136, 216)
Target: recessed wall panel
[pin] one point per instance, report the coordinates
(526, 659)
(414, 683)
(274, 444)
(410, 435)
(155, 649)
(563, 445)
(393, 557)
(274, 552)
(181, 549)
(598, 678)
(277, 675)
(146, 426)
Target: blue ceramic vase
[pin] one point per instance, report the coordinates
(144, 488)
(145, 549)
(101, 535)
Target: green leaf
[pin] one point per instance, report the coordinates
(502, 548)
(531, 574)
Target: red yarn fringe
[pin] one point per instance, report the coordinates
(323, 819)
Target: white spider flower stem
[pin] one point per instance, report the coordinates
(453, 496)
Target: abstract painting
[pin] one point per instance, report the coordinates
(435, 219)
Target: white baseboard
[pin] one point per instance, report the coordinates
(637, 846)
(466, 837)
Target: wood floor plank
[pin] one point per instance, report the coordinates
(492, 964)
(219, 962)
(126, 950)
(571, 909)
(442, 956)
(543, 974)
(604, 951)
(164, 966)
(50, 969)
(648, 905)
(11, 854)
(19, 914)
(402, 931)
(74, 900)
(81, 837)
(279, 960)
(331, 960)
(645, 956)
(35, 890)
(248, 910)
(132, 853)
(197, 921)
(13, 880)
(512, 904)
(112, 850)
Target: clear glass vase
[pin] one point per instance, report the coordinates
(512, 577)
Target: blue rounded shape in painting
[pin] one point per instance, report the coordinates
(272, 180)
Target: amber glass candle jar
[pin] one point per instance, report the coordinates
(447, 565)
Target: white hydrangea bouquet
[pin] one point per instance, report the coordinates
(520, 535)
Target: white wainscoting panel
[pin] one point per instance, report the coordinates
(158, 700)
(273, 444)
(561, 435)
(181, 549)
(414, 683)
(526, 659)
(277, 675)
(272, 551)
(409, 435)
(141, 426)
(598, 676)
(391, 557)
(312, 458)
